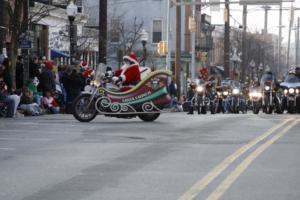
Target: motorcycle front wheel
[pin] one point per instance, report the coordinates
(84, 109)
(149, 117)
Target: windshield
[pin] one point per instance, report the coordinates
(99, 71)
(291, 79)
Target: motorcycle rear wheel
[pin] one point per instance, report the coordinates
(80, 110)
(149, 117)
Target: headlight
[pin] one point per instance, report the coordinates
(225, 93)
(235, 91)
(267, 88)
(200, 89)
(297, 91)
(291, 90)
(95, 83)
(285, 91)
(255, 94)
(219, 93)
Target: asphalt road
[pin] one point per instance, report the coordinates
(178, 157)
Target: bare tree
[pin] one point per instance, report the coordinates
(19, 19)
(124, 36)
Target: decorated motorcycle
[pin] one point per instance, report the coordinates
(146, 100)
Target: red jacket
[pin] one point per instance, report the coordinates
(130, 74)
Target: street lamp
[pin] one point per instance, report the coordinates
(72, 12)
(252, 65)
(144, 39)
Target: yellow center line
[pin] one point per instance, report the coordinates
(205, 181)
(231, 178)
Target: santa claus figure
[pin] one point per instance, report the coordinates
(129, 74)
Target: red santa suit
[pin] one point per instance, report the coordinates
(129, 74)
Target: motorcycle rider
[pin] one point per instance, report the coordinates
(190, 97)
(129, 74)
(297, 71)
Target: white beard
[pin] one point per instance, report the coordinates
(125, 66)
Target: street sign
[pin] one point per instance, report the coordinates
(263, 2)
(25, 44)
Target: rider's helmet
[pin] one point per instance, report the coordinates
(131, 59)
(192, 85)
(297, 71)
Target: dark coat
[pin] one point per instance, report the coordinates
(19, 75)
(172, 89)
(34, 70)
(47, 81)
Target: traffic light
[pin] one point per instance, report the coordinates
(192, 25)
(162, 48)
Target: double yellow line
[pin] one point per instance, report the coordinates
(225, 185)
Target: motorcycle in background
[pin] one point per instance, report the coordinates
(255, 97)
(291, 88)
(270, 100)
(235, 101)
(200, 100)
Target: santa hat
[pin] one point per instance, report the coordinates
(131, 57)
(84, 64)
(49, 65)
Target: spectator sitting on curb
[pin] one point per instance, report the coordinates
(11, 101)
(50, 104)
(28, 105)
(37, 96)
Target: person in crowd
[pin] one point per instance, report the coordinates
(34, 68)
(37, 96)
(19, 73)
(11, 101)
(50, 104)
(172, 89)
(73, 83)
(27, 104)
(47, 81)
(7, 77)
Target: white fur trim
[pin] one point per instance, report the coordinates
(132, 60)
(123, 77)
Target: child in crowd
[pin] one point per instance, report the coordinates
(50, 104)
(28, 105)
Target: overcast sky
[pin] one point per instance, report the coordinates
(256, 18)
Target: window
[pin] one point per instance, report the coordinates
(157, 31)
(115, 32)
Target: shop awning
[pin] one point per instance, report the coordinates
(58, 54)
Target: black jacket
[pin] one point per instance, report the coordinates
(47, 81)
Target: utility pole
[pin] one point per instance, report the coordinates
(244, 44)
(265, 33)
(227, 40)
(289, 38)
(193, 38)
(102, 31)
(297, 42)
(279, 39)
(178, 49)
(168, 57)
